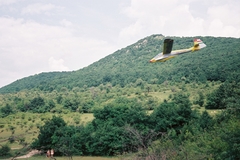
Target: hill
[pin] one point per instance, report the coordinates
(218, 62)
(123, 104)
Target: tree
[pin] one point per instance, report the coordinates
(36, 104)
(232, 137)
(165, 117)
(44, 140)
(173, 114)
(200, 100)
(109, 136)
(226, 94)
(67, 140)
(7, 110)
(212, 101)
(205, 121)
(108, 139)
(141, 140)
(5, 150)
(71, 104)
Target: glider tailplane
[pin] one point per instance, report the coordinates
(198, 44)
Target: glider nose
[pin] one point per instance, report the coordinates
(152, 61)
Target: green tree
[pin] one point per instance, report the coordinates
(165, 117)
(200, 100)
(67, 140)
(44, 140)
(173, 114)
(231, 136)
(36, 104)
(205, 120)
(59, 99)
(4, 150)
(108, 139)
(7, 110)
(109, 136)
(184, 109)
(71, 104)
(224, 97)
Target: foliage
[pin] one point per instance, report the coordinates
(70, 104)
(109, 136)
(67, 140)
(44, 141)
(5, 150)
(7, 110)
(200, 99)
(120, 88)
(216, 62)
(173, 130)
(206, 121)
(172, 115)
(226, 96)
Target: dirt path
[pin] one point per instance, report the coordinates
(30, 154)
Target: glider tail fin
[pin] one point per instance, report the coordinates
(167, 47)
(198, 44)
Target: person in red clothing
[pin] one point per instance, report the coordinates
(48, 153)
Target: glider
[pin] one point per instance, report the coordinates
(168, 53)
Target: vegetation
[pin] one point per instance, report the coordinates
(173, 130)
(185, 108)
(5, 150)
(218, 62)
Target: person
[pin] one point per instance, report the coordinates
(52, 152)
(48, 153)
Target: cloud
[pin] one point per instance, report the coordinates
(66, 23)
(224, 20)
(181, 18)
(4, 2)
(39, 8)
(57, 64)
(27, 45)
(155, 17)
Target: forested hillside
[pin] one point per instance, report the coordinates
(218, 61)
(122, 105)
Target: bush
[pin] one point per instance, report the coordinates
(7, 110)
(5, 150)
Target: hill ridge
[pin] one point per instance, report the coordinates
(126, 65)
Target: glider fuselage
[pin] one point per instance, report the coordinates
(163, 57)
(168, 53)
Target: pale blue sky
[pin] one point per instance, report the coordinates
(58, 35)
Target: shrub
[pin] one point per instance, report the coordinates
(5, 150)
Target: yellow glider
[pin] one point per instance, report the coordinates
(168, 53)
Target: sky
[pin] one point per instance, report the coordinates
(57, 35)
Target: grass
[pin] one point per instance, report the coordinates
(43, 157)
(74, 158)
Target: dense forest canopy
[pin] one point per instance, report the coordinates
(219, 61)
